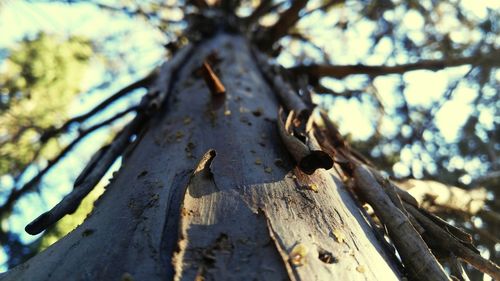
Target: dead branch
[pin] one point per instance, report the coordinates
(16, 193)
(137, 11)
(286, 94)
(338, 142)
(485, 234)
(97, 167)
(93, 175)
(450, 243)
(316, 71)
(415, 254)
(200, 4)
(493, 175)
(449, 197)
(164, 82)
(265, 7)
(445, 239)
(305, 40)
(90, 165)
(490, 215)
(390, 187)
(104, 104)
(267, 37)
(456, 268)
(396, 195)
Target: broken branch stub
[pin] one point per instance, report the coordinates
(212, 80)
(309, 157)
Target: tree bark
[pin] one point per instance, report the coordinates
(210, 191)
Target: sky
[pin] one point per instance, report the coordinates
(142, 48)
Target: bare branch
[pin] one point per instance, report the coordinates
(443, 238)
(403, 219)
(456, 269)
(15, 194)
(316, 71)
(104, 104)
(265, 7)
(324, 7)
(450, 197)
(486, 234)
(305, 40)
(262, 9)
(287, 95)
(267, 37)
(71, 201)
(200, 4)
(138, 11)
(105, 157)
(493, 175)
(414, 252)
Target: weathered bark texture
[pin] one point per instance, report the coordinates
(209, 190)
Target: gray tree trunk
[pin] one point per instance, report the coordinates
(209, 191)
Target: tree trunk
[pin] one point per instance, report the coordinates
(208, 190)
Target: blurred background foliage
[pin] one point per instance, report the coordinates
(441, 125)
(39, 79)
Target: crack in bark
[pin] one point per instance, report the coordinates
(282, 252)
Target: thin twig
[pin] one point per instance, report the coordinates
(323, 7)
(414, 252)
(304, 39)
(267, 37)
(105, 157)
(139, 11)
(16, 193)
(104, 104)
(456, 268)
(449, 242)
(71, 201)
(265, 7)
(340, 71)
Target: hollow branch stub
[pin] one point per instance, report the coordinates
(308, 160)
